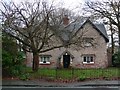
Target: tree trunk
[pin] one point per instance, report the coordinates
(112, 38)
(35, 61)
(112, 51)
(119, 35)
(112, 41)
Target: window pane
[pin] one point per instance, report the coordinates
(47, 59)
(44, 58)
(91, 59)
(88, 59)
(84, 59)
(41, 59)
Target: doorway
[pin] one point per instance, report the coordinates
(66, 61)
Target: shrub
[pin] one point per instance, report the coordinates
(24, 76)
(6, 59)
(11, 65)
(116, 59)
(82, 78)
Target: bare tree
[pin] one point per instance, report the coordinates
(37, 27)
(30, 24)
(110, 10)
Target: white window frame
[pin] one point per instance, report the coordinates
(88, 44)
(45, 58)
(88, 57)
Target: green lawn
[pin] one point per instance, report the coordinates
(75, 73)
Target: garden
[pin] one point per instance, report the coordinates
(69, 75)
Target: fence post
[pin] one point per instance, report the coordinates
(56, 73)
(72, 72)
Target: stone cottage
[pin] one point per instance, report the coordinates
(89, 56)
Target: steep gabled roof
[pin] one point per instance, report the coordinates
(102, 29)
(74, 27)
(99, 27)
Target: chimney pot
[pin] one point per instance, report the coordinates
(66, 20)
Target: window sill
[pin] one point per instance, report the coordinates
(47, 63)
(88, 63)
(88, 46)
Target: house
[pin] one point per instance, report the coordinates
(89, 56)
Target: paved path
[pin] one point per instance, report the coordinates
(43, 83)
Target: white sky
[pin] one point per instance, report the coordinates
(71, 4)
(67, 3)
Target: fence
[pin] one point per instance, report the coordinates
(80, 74)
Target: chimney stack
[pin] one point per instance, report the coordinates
(66, 20)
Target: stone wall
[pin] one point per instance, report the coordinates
(99, 50)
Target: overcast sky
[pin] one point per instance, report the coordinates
(70, 4)
(67, 3)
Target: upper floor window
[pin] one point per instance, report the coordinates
(88, 42)
(88, 59)
(45, 59)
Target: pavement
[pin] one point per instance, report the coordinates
(43, 83)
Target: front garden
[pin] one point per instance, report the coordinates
(71, 74)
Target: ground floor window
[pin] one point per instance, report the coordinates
(45, 59)
(88, 59)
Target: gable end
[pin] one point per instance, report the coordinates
(95, 26)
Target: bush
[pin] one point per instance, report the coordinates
(12, 59)
(11, 65)
(6, 59)
(24, 76)
(116, 59)
(83, 78)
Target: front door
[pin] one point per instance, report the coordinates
(66, 61)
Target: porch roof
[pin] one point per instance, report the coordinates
(64, 53)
